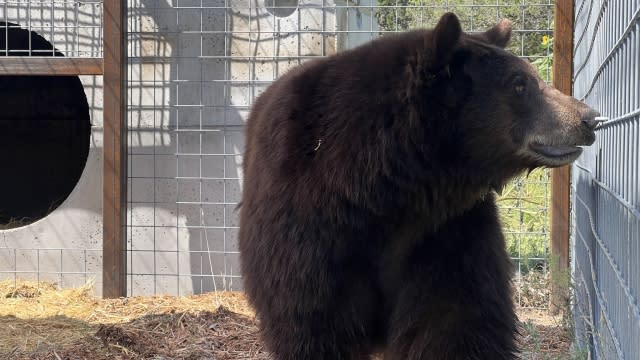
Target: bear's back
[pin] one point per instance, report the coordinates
(328, 111)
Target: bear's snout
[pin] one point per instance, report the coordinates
(572, 121)
(588, 122)
(564, 126)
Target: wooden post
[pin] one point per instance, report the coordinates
(561, 177)
(115, 150)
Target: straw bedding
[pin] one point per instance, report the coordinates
(40, 321)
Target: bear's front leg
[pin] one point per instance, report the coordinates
(442, 330)
(309, 281)
(454, 299)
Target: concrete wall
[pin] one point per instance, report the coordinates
(66, 245)
(194, 72)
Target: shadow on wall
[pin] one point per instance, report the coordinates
(194, 72)
(185, 140)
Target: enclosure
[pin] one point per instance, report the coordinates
(192, 71)
(606, 182)
(132, 180)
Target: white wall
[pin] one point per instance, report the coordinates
(66, 245)
(194, 72)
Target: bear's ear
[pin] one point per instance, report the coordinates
(445, 37)
(500, 34)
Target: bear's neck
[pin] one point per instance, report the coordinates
(453, 196)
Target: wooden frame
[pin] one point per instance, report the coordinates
(113, 68)
(561, 177)
(114, 258)
(50, 66)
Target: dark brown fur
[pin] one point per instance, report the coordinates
(367, 219)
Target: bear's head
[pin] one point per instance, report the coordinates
(506, 115)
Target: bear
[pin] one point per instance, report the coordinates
(368, 219)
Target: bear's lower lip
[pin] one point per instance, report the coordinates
(556, 151)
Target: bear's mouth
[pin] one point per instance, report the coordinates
(557, 155)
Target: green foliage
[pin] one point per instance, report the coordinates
(474, 15)
(544, 61)
(524, 214)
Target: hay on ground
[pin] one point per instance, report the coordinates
(41, 322)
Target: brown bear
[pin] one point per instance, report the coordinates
(368, 219)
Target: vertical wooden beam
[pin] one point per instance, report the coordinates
(115, 150)
(560, 177)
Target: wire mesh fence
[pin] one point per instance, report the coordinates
(196, 67)
(49, 227)
(606, 190)
(72, 28)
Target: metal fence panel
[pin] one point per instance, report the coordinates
(63, 243)
(73, 27)
(606, 181)
(195, 69)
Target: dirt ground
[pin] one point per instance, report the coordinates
(41, 322)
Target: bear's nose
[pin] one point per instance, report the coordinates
(589, 119)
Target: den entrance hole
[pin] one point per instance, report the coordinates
(44, 133)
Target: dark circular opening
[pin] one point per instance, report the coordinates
(44, 134)
(281, 8)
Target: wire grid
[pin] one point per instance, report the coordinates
(606, 195)
(74, 28)
(65, 247)
(195, 68)
(65, 267)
